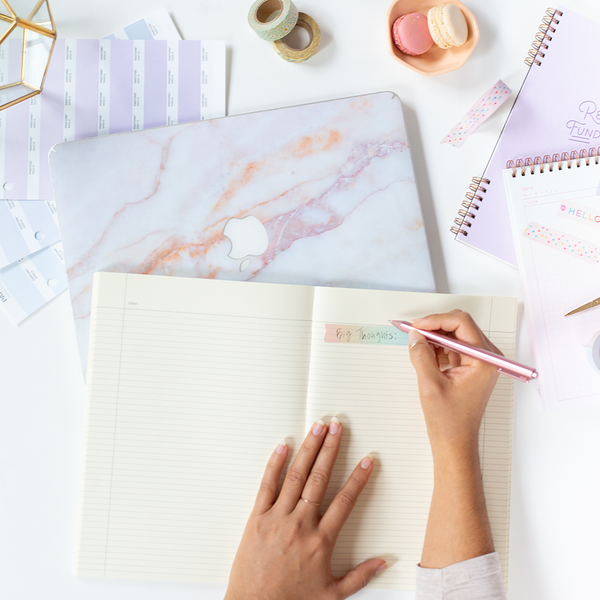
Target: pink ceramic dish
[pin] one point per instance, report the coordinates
(435, 61)
(411, 34)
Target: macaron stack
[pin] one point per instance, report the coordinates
(445, 26)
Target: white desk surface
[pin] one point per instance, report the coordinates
(556, 461)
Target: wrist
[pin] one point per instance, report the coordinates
(456, 456)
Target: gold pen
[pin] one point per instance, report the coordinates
(586, 306)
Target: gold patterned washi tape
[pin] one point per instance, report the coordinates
(278, 27)
(298, 56)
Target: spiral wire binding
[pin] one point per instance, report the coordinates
(539, 44)
(471, 205)
(566, 160)
(474, 197)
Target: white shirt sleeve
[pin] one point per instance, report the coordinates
(475, 579)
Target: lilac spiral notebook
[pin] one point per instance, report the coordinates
(557, 109)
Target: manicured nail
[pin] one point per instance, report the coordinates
(334, 426)
(413, 338)
(366, 462)
(381, 568)
(318, 428)
(280, 447)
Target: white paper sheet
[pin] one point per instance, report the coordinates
(26, 285)
(157, 26)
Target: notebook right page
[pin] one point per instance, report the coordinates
(556, 216)
(361, 372)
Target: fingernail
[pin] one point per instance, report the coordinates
(334, 426)
(413, 338)
(318, 428)
(280, 447)
(381, 568)
(366, 462)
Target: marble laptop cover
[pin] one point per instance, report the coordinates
(319, 194)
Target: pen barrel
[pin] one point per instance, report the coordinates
(503, 365)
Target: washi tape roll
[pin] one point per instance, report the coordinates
(480, 112)
(594, 351)
(298, 56)
(280, 26)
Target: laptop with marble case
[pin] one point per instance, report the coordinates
(318, 194)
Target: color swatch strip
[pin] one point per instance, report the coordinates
(97, 87)
(365, 334)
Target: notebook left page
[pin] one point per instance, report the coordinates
(160, 402)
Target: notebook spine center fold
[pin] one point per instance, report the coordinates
(470, 206)
(566, 160)
(542, 37)
(478, 187)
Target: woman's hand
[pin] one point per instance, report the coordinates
(286, 549)
(453, 399)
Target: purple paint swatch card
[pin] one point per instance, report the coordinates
(97, 87)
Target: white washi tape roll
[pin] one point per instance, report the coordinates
(594, 351)
(278, 27)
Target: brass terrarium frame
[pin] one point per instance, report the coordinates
(27, 24)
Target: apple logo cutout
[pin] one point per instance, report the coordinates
(248, 237)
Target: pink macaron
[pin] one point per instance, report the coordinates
(411, 34)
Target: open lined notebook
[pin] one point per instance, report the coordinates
(191, 384)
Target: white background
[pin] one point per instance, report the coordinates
(555, 519)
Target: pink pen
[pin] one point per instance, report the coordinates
(505, 366)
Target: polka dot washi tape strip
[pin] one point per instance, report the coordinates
(480, 112)
(277, 28)
(563, 243)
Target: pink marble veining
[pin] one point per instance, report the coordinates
(332, 183)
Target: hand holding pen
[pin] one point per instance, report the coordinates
(456, 346)
(455, 398)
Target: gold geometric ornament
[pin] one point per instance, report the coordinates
(28, 26)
